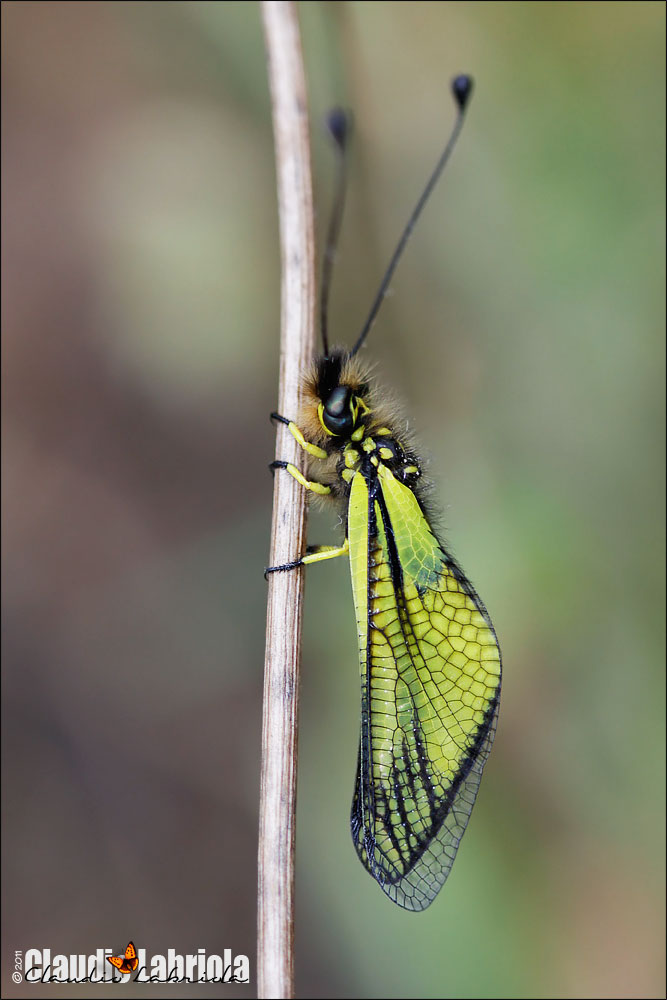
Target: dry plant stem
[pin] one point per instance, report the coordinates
(275, 930)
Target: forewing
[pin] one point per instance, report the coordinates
(430, 679)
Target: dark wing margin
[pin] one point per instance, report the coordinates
(417, 884)
(430, 700)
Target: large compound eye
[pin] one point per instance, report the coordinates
(337, 412)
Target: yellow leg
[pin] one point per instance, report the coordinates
(318, 553)
(300, 478)
(314, 553)
(312, 449)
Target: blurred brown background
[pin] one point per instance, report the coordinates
(140, 334)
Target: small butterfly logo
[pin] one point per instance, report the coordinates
(127, 963)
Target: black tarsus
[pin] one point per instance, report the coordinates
(291, 565)
(282, 569)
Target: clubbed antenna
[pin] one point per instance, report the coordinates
(339, 124)
(461, 91)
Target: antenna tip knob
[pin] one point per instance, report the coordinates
(338, 122)
(462, 89)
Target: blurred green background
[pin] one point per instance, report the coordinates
(525, 335)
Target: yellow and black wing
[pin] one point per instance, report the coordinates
(430, 689)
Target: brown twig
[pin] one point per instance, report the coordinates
(275, 929)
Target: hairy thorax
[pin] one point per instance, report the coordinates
(368, 438)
